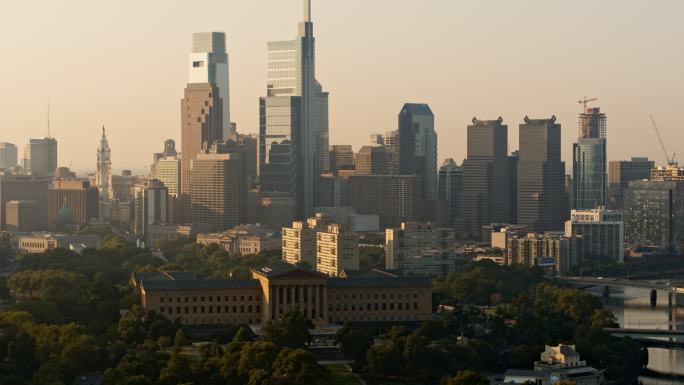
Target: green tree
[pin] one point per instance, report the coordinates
(467, 377)
(298, 367)
(292, 330)
(177, 371)
(181, 339)
(354, 341)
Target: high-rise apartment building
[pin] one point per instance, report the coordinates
(103, 176)
(420, 249)
(294, 119)
(590, 161)
(40, 157)
(151, 206)
(168, 171)
(654, 214)
(450, 187)
(337, 250)
(541, 173)
(8, 156)
(418, 145)
(299, 240)
(602, 233)
(24, 188)
(489, 179)
(558, 251)
(75, 197)
(341, 158)
(208, 64)
(217, 192)
(621, 172)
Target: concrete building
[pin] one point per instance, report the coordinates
(103, 176)
(299, 241)
(450, 188)
(558, 363)
(602, 233)
(489, 179)
(337, 250)
(8, 156)
(373, 160)
(217, 193)
(167, 169)
(341, 158)
(421, 249)
(208, 64)
(621, 172)
(26, 188)
(499, 234)
(541, 190)
(274, 289)
(654, 214)
(151, 206)
(42, 242)
(551, 251)
(672, 173)
(244, 239)
(293, 130)
(22, 216)
(40, 157)
(418, 146)
(249, 145)
(394, 198)
(165, 232)
(355, 222)
(78, 196)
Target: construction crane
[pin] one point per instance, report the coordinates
(670, 160)
(586, 101)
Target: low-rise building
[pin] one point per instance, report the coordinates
(243, 239)
(41, 242)
(355, 296)
(558, 363)
(420, 248)
(165, 232)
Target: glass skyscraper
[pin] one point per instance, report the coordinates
(293, 130)
(590, 161)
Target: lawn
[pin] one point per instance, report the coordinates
(340, 375)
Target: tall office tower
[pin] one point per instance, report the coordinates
(8, 156)
(217, 195)
(40, 157)
(208, 64)
(394, 198)
(22, 216)
(169, 151)
(341, 158)
(373, 160)
(621, 172)
(104, 169)
(418, 145)
(391, 142)
(488, 179)
(541, 173)
(76, 197)
(294, 119)
(24, 188)
(249, 145)
(450, 187)
(168, 171)
(420, 249)
(337, 250)
(151, 206)
(654, 214)
(590, 161)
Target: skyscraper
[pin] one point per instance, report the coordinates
(294, 119)
(24, 188)
(621, 172)
(341, 158)
(103, 177)
(590, 161)
(78, 197)
(208, 63)
(489, 175)
(373, 160)
(541, 173)
(418, 145)
(8, 156)
(40, 157)
(450, 187)
(151, 206)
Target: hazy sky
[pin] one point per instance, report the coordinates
(123, 63)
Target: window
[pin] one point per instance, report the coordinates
(384, 306)
(161, 299)
(170, 299)
(194, 310)
(234, 309)
(415, 306)
(170, 310)
(211, 310)
(202, 309)
(198, 64)
(391, 305)
(258, 308)
(161, 309)
(218, 309)
(178, 299)
(187, 310)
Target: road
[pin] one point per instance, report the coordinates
(599, 281)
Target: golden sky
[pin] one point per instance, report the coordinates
(123, 63)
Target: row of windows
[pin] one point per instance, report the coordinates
(209, 321)
(209, 309)
(210, 299)
(373, 306)
(374, 318)
(375, 296)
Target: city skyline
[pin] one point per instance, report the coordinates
(517, 84)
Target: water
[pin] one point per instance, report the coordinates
(632, 307)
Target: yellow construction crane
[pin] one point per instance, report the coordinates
(670, 160)
(586, 101)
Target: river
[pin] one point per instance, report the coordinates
(632, 307)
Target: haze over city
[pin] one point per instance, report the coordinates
(124, 64)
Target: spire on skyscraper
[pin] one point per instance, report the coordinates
(307, 11)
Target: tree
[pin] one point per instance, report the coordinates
(467, 377)
(242, 335)
(292, 330)
(354, 342)
(298, 367)
(178, 370)
(181, 338)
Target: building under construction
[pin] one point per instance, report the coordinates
(592, 123)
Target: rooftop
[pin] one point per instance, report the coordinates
(202, 284)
